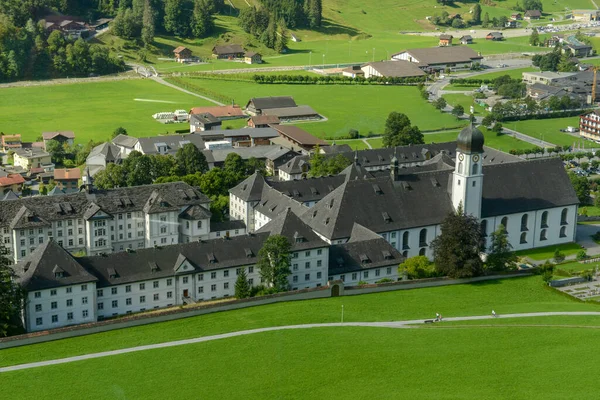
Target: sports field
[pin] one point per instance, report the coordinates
(361, 107)
(518, 358)
(547, 129)
(92, 110)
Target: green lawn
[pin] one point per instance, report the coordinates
(547, 129)
(361, 107)
(576, 266)
(92, 110)
(503, 143)
(465, 100)
(546, 253)
(506, 296)
(466, 362)
(513, 73)
(357, 144)
(592, 211)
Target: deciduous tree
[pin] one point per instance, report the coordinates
(500, 255)
(399, 132)
(274, 262)
(190, 159)
(456, 251)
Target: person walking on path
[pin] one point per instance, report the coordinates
(493, 313)
(437, 316)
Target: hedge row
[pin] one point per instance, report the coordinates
(335, 79)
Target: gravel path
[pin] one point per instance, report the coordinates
(392, 324)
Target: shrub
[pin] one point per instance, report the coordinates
(581, 255)
(353, 133)
(360, 283)
(385, 280)
(559, 256)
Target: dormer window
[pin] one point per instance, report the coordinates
(364, 259)
(249, 253)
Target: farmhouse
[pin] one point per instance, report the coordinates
(221, 112)
(251, 57)
(445, 40)
(392, 69)
(182, 54)
(11, 142)
(67, 178)
(257, 105)
(100, 24)
(262, 121)
(578, 50)
(466, 39)
(353, 71)
(495, 36)
(289, 114)
(204, 122)
(299, 137)
(516, 16)
(230, 51)
(60, 136)
(440, 58)
(533, 15)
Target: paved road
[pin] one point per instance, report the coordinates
(393, 324)
(163, 82)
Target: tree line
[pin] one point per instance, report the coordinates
(141, 19)
(335, 79)
(296, 13)
(269, 28)
(30, 52)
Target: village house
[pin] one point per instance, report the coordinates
(11, 142)
(586, 15)
(33, 158)
(353, 71)
(182, 54)
(532, 15)
(516, 16)
(67, 179)
(262, 121)
(230, 51)
(439, 58)
(204, 122)
(299, 137)
(445, 40)
(251, 57)
(61, 136)
(495, 36)
(223, 113)
(466, 39)
(11, 183)
(392, 69)
(102, 155)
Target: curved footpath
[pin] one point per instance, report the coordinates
(391, 324)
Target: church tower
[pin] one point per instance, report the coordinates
(467, 180)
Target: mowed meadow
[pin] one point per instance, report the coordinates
(92, 110)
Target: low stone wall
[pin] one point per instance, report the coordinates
(159, 316)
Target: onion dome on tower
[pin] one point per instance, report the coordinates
(470, 140)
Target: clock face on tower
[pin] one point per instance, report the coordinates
(475, 158)
(461, 157)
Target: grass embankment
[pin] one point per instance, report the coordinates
(92, 110)
(505, 296)
(546, 253)
(361, 107)
(332, 363)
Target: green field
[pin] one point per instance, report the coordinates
(505, 296)
(516, 73)
(503, 143)
(317, 362)
(364, 108)
(92, 110)
(465, 100)
(547, 129)
(466, 362)
(592, 211)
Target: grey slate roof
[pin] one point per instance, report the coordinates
(365, 250)
(255, 133)
(263, 103)
(173, 142)
(291, 112)
(305, 190)
(109, 151)
(423, 198)
(526, 186)
(295, 165)
(289, 225)
(228, 49)
(138, 265)
(10, 195)
(195, 212)
(336, 148)
(259, 152)
(277, 152)
(125, 141)
(37, 270)
(272, 203)
(250, 189)
(42, 210)
(396, 69)
(227, 225)
(443, 55)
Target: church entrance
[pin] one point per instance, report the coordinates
(335, 291)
